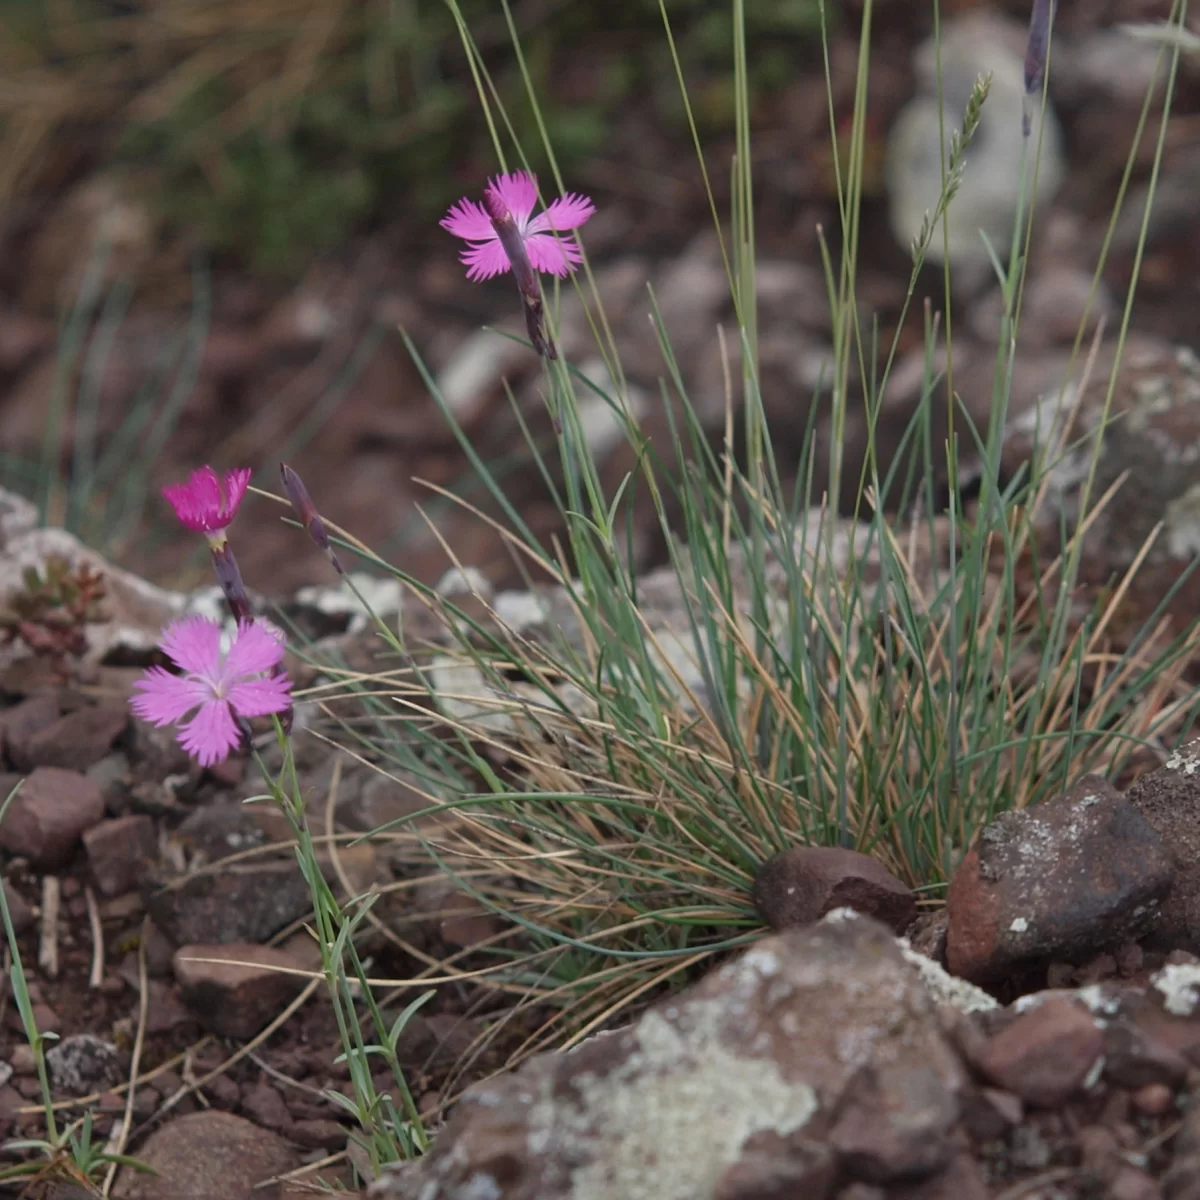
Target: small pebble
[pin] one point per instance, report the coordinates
(1154, 1099)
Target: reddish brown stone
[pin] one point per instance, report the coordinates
(76, 741)
(772, 1167)
(119, 851)
(1059, 881)
(799, 886)
(236, 995)
(1169, 800)
(49, 814)
(894, 1123)
(1046, 1054)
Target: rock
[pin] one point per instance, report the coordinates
(1151, 442)
(21, 722)
(136, 610)
(1182, 1181)
(1063, 881)
(118, 852)
(989, 193)
(249, 900)
(223, 1092)
(19, 912)
(668, 1107)
(165, 1011)
(49, 814)
(895, 1123)
(799, 886)
(989, 1113)
(961, 1180)
(1133, 1059)
(235, 1000)
(242, 902)
(264, 1106)
(385, 799)
(82, 1064)
(75, 742)
(1046, 1054)
(319, 1133)
(1132, 1183)
(207, 1154)
(1169, 800)
(776, 1168)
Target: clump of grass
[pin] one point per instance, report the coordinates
(617, 774)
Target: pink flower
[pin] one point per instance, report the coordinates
(512, 198)
(206, 503)
(214, 688)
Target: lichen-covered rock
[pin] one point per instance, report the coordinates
(1169, 800)
(1064, 880)
(747, 1065)
(1151, 442)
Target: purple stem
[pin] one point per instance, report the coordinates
(513, 245)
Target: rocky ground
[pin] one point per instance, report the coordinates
(1059, 1057)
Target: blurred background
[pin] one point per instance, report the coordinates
(216, 218)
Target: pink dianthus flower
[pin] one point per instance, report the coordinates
(214, 687)
(206, 503)
(512, 198)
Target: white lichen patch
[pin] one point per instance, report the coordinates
(945, 988)
(680, 1108)
(1098, 1000)
(1031, 1000)
(1179, 984)
(835, 916)
(1186, 760)
(1019, 925)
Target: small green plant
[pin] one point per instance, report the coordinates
(212, 700)
(51, 612)
(69, 1158)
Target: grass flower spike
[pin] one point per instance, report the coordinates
(509, 201)
(214, 688)
(206, 503)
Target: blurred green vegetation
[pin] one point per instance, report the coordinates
(273, 128)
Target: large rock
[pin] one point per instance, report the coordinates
(1150, 446)
(1065, 880)
(749, 1063)
(1169, 801)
